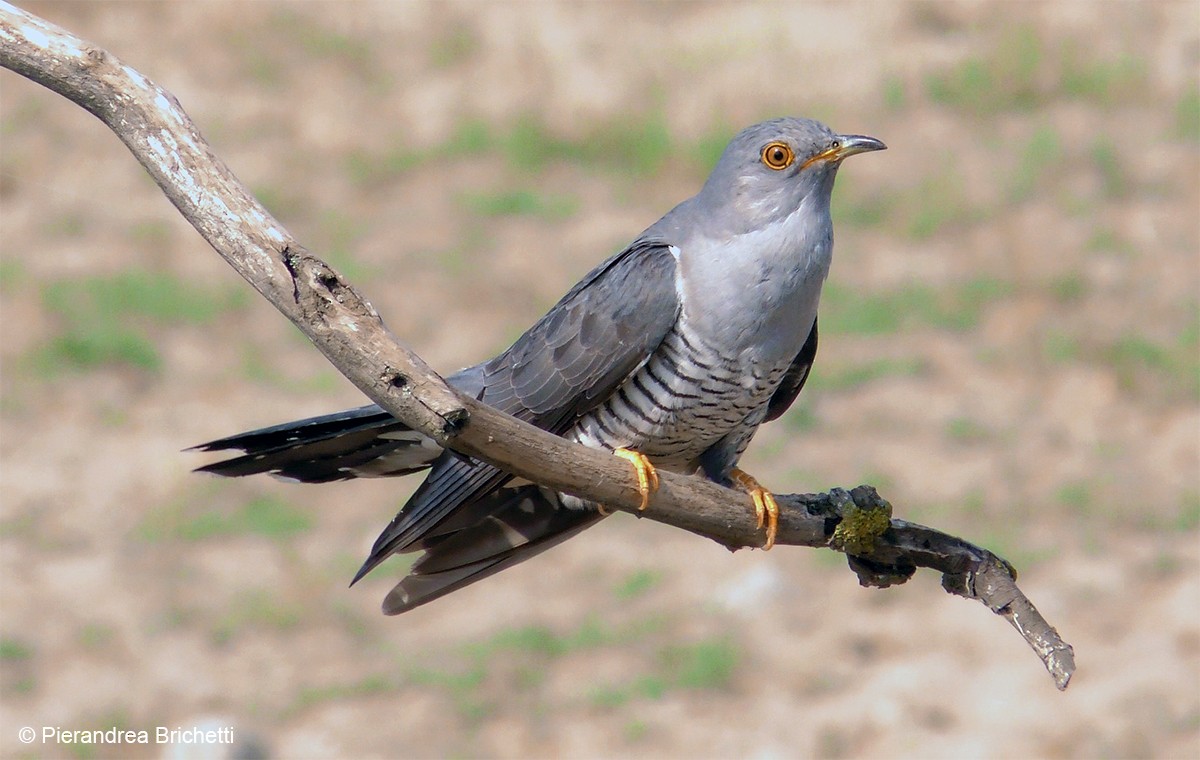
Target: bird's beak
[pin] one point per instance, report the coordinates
(848, 145)
(852, 144)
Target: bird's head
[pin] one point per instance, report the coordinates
(770, 169)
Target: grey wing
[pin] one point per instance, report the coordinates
(567, 363)
(795, 377)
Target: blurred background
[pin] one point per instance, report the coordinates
(1010, 352)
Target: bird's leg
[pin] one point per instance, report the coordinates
(766, 509)
(647, 476)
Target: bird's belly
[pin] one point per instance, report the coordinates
(684, 400)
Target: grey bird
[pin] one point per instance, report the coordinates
(670, 353)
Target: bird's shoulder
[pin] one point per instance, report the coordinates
(587, 343)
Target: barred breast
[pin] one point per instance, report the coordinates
(684, 399)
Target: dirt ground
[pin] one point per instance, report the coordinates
(1010, 352)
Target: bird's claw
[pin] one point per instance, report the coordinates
(766, 509)
(647, 476)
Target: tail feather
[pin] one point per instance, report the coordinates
(362, 442)
(308, 429)
(468, 523)
(522, 523)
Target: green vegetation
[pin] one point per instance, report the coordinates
(705, 665)
(14, 650)
(967, 430)
(637, 583)
(1060, 347)
(520, 203)
(255, 609)
(1007, 540)
(939, 201)
(706, 151)
(16, 659)
(1003, 80)
(895, 98)
(1102, 82)
(1040, 161)
(352, 620)
(151, 233)
(90, 347)
(1187, 519)
(96, 636)
(1178, 365)
(1107, 240)
(103, 317)
(637, 145)
(910, 306)
(1021, 73)
(1076, 495)
(69, 225)
(518, 656)
(1115, 181)
(456, 46)
(284, 203)
(518, 653)
(1187, 115)
(321, 41)
(257, 368)
(314, 695)
(1139, 362)
(338, 235)
(879, 479)
(858, 209)
(539, 640)
(262, 516)
(1068, 289)
(263, 68)
(850, 376)
(456, 260)
(801, 417)
(12, 275)
(366, 169)
(636, 730)
(634, 145)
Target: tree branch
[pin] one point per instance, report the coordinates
(348, 331)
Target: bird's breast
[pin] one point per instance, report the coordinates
(755, 296)
(686, 397)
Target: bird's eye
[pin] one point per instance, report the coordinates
(778, 156)
(835, 144)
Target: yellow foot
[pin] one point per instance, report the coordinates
(646, 474)
(766, 509)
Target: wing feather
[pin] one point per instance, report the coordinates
(620, 311)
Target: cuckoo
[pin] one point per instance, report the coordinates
(670, 354)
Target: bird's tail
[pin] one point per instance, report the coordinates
(356, 443)
(496, 532)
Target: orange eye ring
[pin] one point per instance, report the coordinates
(778, 155)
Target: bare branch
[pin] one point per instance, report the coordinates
(347, 330)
